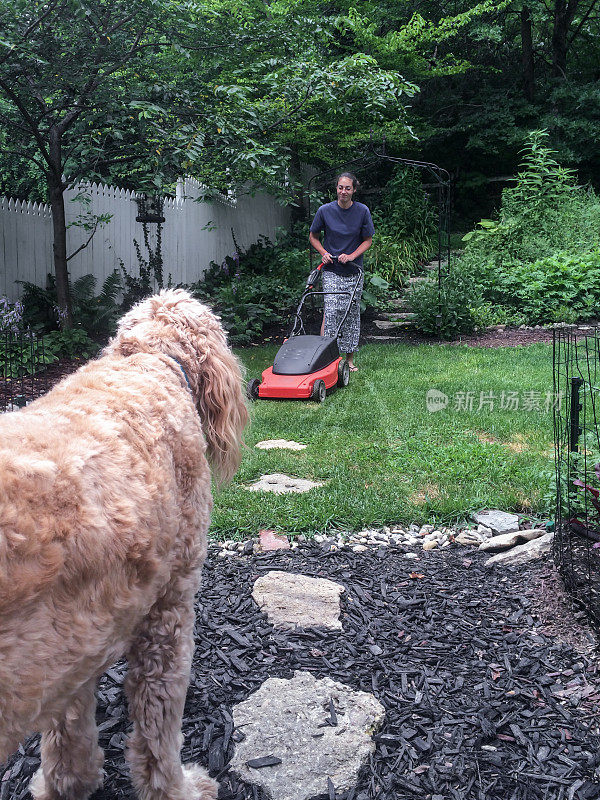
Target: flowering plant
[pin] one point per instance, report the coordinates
(11, 316)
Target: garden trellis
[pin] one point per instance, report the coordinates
(577, 447)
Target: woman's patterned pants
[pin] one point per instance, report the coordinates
(335, 308)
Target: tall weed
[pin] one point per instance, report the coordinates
(544, 213)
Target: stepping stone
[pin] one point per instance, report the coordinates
(298, 601)
(399, 302)
(497, 521)
(388, 325)
(523, 553)
(506, 540)
(282, 484)
(317, 733)
(280, 444)
(396, 316)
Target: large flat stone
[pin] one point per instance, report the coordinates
(504, 541)
(291, 600)
(279, 444)
(292, 720)
(282, 484)
(522, 553)
(497, 521)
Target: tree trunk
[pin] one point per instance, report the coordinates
(56, 189)
(299, 207)
(564, 12)
(527, 55)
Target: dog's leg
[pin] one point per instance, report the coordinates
(71, 759)
(157, 679)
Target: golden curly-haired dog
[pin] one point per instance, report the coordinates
(105, 499)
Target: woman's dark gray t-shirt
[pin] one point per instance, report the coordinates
(345, 229)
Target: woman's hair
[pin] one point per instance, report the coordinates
(351, 176)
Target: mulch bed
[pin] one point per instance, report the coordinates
(484, 699)
(31, 386)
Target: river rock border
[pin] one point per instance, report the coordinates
(410, 539)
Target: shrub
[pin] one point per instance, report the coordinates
(405, 228)
(255, 288)
(96, 314)
(455, 303)
(539, 261)
(559, 288)
(543, 213)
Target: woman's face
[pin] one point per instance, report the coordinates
(345, 190)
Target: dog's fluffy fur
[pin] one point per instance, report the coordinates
(104, 508)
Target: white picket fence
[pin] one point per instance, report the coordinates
(193, 234)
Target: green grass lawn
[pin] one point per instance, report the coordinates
(385, 458)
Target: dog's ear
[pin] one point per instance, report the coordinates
(175, 324)
(220, 400)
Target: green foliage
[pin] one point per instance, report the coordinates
(21, 354)
(375, 291)
(256, 288)
(405, 228)
(39, 306)
(96, 314)
(544, 212)
(558, 288)
(448, 310)
(25, 353)
(540, 260)
(70, 343)
(150, 277)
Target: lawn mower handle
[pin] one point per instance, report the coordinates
(314, 276)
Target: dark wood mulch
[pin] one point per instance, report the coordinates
(483, 701)
(31, 386)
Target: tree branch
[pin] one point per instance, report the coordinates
(584, 19)
(95, 81)
(83, 246)
(28, 119)
(27, 156)
(32, 27)
(290, 113)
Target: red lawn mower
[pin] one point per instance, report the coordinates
(306, 366)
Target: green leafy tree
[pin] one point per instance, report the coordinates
(138, 91)
(71, 72)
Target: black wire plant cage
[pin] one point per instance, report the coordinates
(436, 183)
(23, 366)
(577, 453)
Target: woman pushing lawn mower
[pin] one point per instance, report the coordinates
(349, 233)
(308, 366)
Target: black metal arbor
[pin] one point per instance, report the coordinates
(577, 448)
(436, 181)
